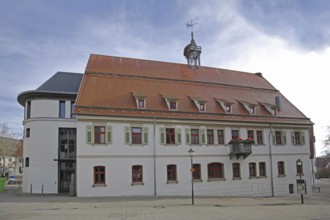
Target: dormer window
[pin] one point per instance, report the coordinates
(171, 102)
(272, 109)
(141, 103)
(140, 100)
(173, 105)
(200, 103)
(250, 107)
(225, 105)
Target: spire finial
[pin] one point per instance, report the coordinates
(191, 25)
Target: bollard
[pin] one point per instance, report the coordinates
(30, 188)
(42, 189)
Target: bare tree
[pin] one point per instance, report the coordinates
(326, 142)
(8, 145)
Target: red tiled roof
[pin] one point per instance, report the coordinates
(110, 82)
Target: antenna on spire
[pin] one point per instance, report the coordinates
(191, 25)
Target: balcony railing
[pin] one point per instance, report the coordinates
(240, 150)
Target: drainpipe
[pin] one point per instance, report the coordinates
(271, 158)
(154, 156)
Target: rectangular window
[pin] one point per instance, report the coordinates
(228, 108)
(279, 137)
(221, 137)
(197, 172)
(28, 109)
(281, 168)
(137, 174)
(173, 105)
(236, 170)
(252, 170)
(141, 103)
(234, 134)
(99, 175)
(210, 136)
(194, 136)
(202, 107)
(298, 138)
(72, 115)
(99, 134)
(27, 161)
(171, 173)
(262, 169)
(215, 170)
(62, 109)
(136, 135)
(250, 134)
(299, 166)
(27, 133)
(260, 137)
(170, 136)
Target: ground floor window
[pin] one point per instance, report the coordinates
(215, 170)
(197, 172)
(171, 173)
(137, 174)
(236, 170)
(99, 175)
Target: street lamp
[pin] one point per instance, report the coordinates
(299, 166)
(192, 175)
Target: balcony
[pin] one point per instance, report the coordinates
(238, 150)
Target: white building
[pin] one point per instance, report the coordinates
(136, 120)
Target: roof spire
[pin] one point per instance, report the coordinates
(192, 51)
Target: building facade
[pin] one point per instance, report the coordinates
(129, 127)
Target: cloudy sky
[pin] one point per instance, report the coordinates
(286, 40)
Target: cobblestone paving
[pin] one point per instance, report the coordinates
(53, 207)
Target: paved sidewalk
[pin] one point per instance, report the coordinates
(12, 206)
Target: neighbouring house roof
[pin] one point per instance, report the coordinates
(109, 82)
(60, 85)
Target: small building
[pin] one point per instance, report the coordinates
(126, 127)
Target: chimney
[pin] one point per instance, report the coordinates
(279, 103)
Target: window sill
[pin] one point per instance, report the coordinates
(298, 174)
(215, 179)
(197, 180)
(172, 182)
(282, 175)
(237, 178)
(253, 177)
(99, 185)
(137, 184)
(262, 177)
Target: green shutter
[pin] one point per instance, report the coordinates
(302, 138)
(202, 136)
(128, 139)
(187, 136)
(293, 140)
(145, 135)
(178, 136)
(89, 134)
(162, 135)
(284, 137)
(109, 135)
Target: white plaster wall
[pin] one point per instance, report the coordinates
(119, 157)
(42, 146)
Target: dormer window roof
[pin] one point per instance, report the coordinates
(225, 104)
(200, 103)
(171, 102)
(140, 100)
(272, 109)
(250, 107)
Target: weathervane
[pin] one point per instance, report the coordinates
(191, 25)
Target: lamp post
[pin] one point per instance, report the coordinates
(299, 163)
(192, 175)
